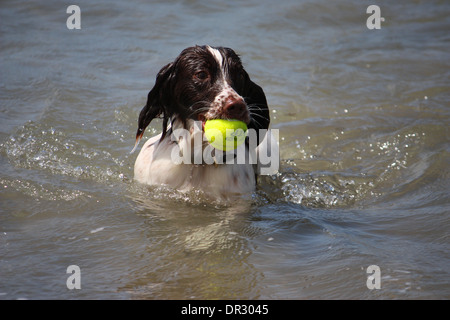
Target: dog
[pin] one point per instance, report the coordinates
(201, 84)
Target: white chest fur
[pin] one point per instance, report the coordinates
(155, 166)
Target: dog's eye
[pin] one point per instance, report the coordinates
(201, 75)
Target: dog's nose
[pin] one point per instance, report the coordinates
(235, 109)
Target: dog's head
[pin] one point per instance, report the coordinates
(205, 83)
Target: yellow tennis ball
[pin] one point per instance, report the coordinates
(225, 134)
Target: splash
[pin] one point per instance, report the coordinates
(39, 147)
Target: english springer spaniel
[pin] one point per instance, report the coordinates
(202, 83)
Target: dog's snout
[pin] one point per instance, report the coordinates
(235, 108)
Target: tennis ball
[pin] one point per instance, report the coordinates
(225, 134)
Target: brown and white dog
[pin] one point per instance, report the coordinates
(202, 83)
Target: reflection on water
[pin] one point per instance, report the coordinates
(364, 141)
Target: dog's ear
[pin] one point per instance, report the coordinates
(257, 103)
(157, 102)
